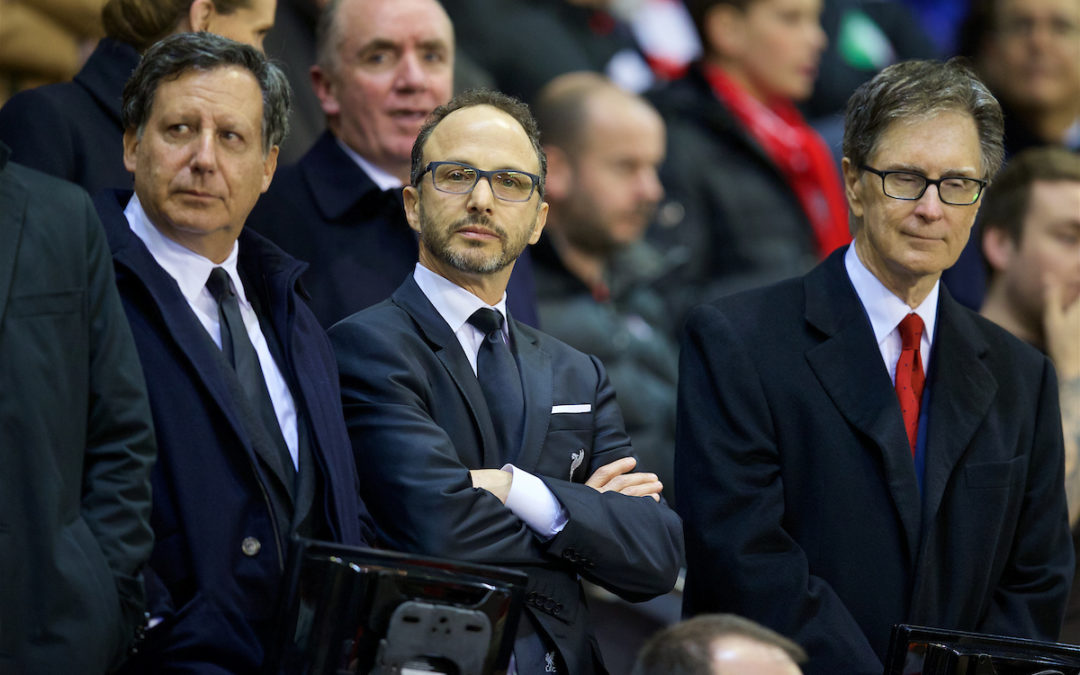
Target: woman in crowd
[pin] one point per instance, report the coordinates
(72, 130)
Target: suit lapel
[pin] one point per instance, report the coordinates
(11, 223)
(961, 391)
(536, 380)
(848, 365)
(182, 325)
(448, 350)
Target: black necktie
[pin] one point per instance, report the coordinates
(239, 351)
(497, 371)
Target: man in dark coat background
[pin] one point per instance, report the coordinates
(76, 441)
(242, 382)
(823, 494)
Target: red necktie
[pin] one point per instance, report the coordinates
(909, 375)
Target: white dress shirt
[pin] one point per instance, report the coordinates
(190, 271)
(886, 311)
(529, 499)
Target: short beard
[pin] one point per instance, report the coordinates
(437, 242)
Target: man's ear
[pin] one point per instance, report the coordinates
(541, 220)
(411, 197)
(852, 187)
(998, 247)
(724, 29)
(131, 147)
(199, 14)
(323, 84)
(269, 167)
(560, 173)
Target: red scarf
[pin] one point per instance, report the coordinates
(798, 151)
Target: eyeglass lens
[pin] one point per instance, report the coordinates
(510, 185)
(950, 190)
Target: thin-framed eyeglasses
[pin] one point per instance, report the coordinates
(955, 190)
(458, 178)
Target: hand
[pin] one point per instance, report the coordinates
(615, 476)
(495, 481)
(1062, 327)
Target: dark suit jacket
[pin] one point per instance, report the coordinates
(799, 494)
(72, 130)
(327, 212)
(218, 558)
(76, 441)
(418, 423)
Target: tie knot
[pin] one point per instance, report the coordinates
(911, 330)
(487, 320)
(218, 284)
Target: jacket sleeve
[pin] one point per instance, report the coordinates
(632, 546)
(421, 495)
(730, 489)
(120, 448)
(412, 480)
(1033, 590)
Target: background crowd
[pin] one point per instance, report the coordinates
(691, 151)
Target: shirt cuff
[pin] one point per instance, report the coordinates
(533, 502)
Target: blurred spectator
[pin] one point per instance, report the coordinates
(719, 644)
(760, 191)
(72, 130)
(45, 41)
(594, 274)
(1028, 53)
(1031, 244)
(76, 440)
(383, 66)
(523, 44)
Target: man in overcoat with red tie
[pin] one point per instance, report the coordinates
(855, 449)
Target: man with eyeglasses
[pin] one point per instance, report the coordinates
(855, 449)
(479, 438)
(382, 67)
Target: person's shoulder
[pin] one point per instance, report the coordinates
(1002, 347)
(42, 185)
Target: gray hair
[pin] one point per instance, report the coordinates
(469, 99)
(920, 89)
(178, 54)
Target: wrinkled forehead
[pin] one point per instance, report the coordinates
(399, 22)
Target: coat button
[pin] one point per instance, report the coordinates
(250, 546)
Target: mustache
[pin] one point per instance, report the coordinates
(481, 220)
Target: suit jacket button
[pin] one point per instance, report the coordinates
(558, 608)
(250, 546)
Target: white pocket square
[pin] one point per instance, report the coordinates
(578, 408)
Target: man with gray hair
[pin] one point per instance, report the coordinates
(855, 449)
(243, 389)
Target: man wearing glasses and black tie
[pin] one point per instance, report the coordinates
(855, 449)
(478, 438)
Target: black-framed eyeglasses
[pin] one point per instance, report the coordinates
(506, 184)
(955, 190)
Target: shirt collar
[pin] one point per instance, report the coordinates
(453, 303)
(189, 269)
(884, 308)
(383, 179)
